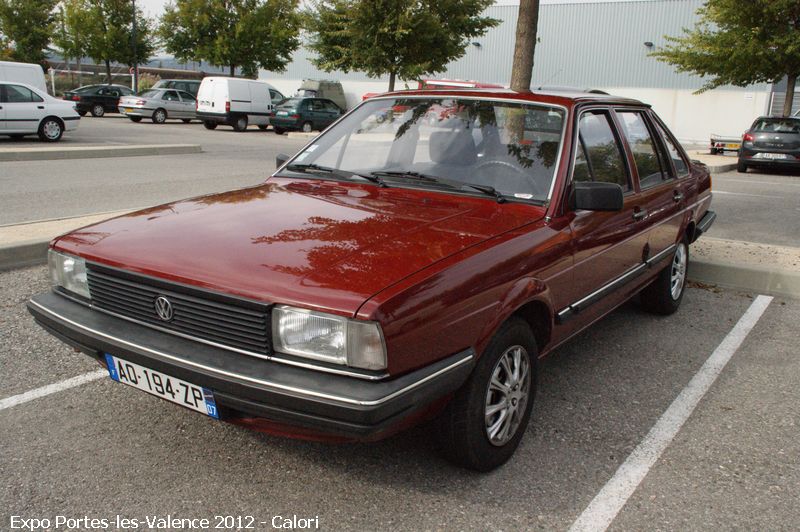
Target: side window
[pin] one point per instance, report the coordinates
(644, 148)
(599, 156)
(170, 96)
(681, 167)
(186, 97)
(275, 96)
(102, 92)
(20, 94)
(330, 106)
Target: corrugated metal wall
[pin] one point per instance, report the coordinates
(581, 45)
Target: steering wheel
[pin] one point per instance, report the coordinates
(517, 179)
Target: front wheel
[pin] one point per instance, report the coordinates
(279, 130)
(262, 127)
(186, 120)
(208, 124)
(482, 426)
(135, 118)
(159, 116)
(240, 123)
(665, 293)
(307, 127)
(98, 110)
(741, 167)
(51, 129)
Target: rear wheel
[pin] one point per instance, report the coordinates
(98, 110)
(159, 116)
(51, 129)
(482, 426)
(279, 130)
(208, 124)
(665, 293)
(82, 113)
(307, 127)
(263, 127)
(135, 118)
(240, 123)
(186, 120)
(741, 167)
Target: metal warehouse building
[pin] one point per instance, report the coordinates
(587, 44)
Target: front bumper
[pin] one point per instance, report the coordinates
(246, 386)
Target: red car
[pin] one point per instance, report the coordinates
(392, 271)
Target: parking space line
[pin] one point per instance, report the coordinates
(36, 393)
(717, 191)
(612, 497)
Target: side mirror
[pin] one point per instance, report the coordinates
(281, 159)
(597, 196)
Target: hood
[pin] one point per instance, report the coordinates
(320, 244)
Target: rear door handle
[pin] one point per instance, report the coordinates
(677, 196)
(639, 214)
(40, 106)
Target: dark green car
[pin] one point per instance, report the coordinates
(304, 114)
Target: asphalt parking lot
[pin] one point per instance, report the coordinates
(102, 449)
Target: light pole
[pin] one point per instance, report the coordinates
(135, 57)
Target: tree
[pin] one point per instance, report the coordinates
(27, 26)
(249, 34)
(110, 33)
(401, 38)
(741, 43)
(72, 31)
(525, 45)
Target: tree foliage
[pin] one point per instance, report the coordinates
(110, 33)
(249, 34)
(740, 43)
(401, 38)
(27, 27)
(73, 29)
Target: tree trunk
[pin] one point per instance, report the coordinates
(108, 72)
(78, 66)
(525, 46)
(233, 70)
(791, 83)
(392, 76)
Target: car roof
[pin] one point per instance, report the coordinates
(566, 98)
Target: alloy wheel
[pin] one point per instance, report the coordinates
(678, 272)
(507, 395)
(52, 129)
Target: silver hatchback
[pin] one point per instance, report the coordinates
(159, 105)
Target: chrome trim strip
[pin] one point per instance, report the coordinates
(619, 280)
(660, 256)
(269, 384)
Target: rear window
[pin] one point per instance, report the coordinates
(149, 94)
(778, 125)
(292, 102)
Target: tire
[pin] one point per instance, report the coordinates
(186, 120)
(279, 130)
(51, 129)
(307, 127)
(81, 113)
(98, 110)
(741, 167)
(664, 295)
(159, 116)
(463, 434)
(263, 127)
(208, 124)
(135, 118)
(239, 123)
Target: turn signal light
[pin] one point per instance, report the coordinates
(748, 138)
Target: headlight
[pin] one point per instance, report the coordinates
(329, 338)
(68, 272)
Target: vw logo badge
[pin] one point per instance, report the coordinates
(164, 308)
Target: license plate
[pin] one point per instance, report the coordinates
(282, 113)
(161, 385)
(127, 109)
(732, 146)
(772, 156)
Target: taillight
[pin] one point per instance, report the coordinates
(295, 117)
(76, 98)
(748, 138)
(196, 105)
(227, 107)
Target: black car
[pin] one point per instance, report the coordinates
(771, 142)
(97, 99)
(305, 114)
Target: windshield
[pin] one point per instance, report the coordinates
(291, 102)
(778, 125)
(504, 147)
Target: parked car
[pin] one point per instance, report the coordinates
(192, 86)
(29, 74)
(305, 114)
(392, 272)
(159, 105)
(771, 142)
(97, 99)
(236, 102)
(28, 110)
(330, 90)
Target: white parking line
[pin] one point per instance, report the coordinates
(612, 497)
(717, 191)
(36, 393)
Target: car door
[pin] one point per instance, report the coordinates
(332, 112)
(2, 108)
(172, 103)
(188, 103)
(607, 246)
(24, 109)
(663, 194)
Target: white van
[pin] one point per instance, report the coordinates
(27, 73)
(236, 102)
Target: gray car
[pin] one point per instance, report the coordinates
(159, 105)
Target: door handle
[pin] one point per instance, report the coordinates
(639, 214)
(677, 196)
(40, 106)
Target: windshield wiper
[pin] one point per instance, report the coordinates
(345, 174)
(486, 189)
(410, 173)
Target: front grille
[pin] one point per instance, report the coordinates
(195, 314)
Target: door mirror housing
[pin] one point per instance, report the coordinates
(597, 196)
(281, 159)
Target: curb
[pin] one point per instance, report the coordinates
(747, 278)
(720, 168)
(301, 135)
(93, 152)
(735, 276)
